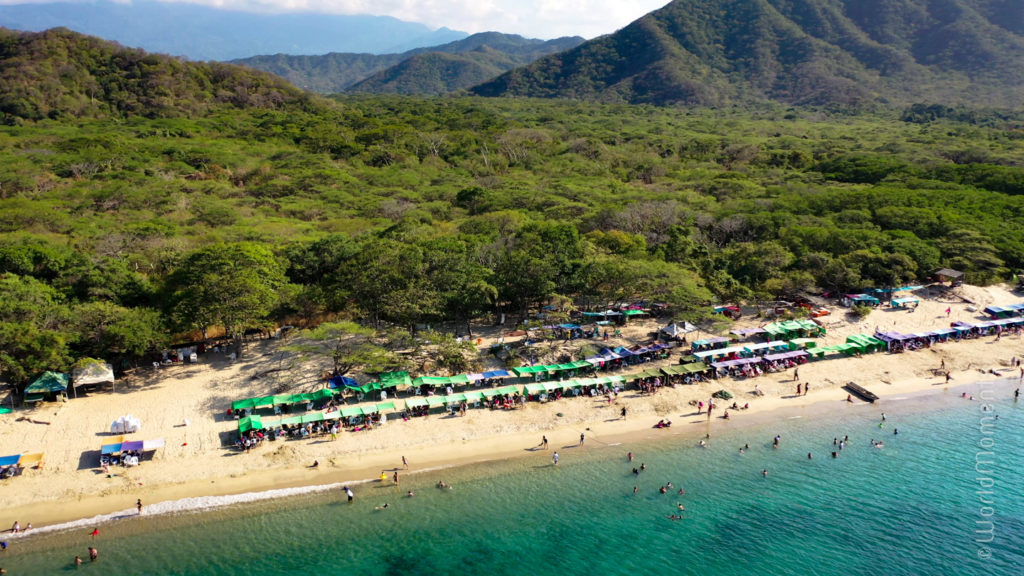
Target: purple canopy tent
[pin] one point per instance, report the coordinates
(786, 355)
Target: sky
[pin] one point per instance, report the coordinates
(529, 18)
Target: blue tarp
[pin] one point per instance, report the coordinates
(9, 460)
(342, 381)
(497, 374)
(110, 449)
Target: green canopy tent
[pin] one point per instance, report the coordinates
(322, 394)
(434, 401)
(48, 383)
(802, 343)
(432, 381)
(289, 421)
(535, 389)
(349, 411)
(247, 404)
(474, 396)
(386, 407)
(394, 379)
(250, 423)
(460, 379)
(553, 386)
(415, 403)
(312, 417)
(507, 390)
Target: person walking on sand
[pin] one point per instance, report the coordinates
(405, 463)
(395, 478)
(796, 373)
(807, 388)
(582, 437)
(544, 442)
(799, 390)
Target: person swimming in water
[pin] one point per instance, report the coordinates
(385, 506)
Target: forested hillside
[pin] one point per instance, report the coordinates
(59, 73)
(838, 52)
(121, 230)
(433, 70)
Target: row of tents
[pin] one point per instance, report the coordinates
(51, 384)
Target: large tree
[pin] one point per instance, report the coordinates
(229, 285)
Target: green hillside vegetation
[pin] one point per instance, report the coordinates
(435, 70)
(851, 53)
(120, 231)
(437, 73)
(59, 73)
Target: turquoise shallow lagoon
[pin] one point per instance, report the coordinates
(914, 507)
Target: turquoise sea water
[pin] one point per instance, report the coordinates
(911, 508)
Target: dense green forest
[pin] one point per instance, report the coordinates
(121, 231)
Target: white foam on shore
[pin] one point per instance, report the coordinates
(186, 505)
(196, 504)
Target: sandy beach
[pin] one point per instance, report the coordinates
(197, 459)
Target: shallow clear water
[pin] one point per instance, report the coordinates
(910, 508)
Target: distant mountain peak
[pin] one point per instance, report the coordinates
(208, 33)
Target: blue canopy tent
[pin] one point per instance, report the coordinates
(342, 382)
(9, 460)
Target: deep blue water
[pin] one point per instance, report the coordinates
(910, 508)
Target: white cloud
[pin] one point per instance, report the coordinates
(530, 18)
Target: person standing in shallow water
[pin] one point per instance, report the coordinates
(554, 458)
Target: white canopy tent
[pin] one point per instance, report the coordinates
(675, 330)
(92, 373)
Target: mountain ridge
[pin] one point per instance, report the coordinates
(803, 52)
(445, 68)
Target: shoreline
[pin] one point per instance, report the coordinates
(275, 483)
(185, 405)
